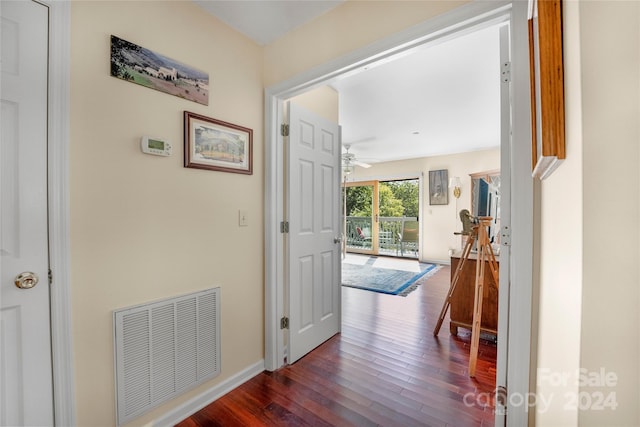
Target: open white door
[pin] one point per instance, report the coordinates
(505, 226)
(26, 396)
(313, 205)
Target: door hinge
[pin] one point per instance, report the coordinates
(284, 226)
(505, 72)
(50, 275)
(284, 323)
(284, 129)
(501, 400)
(505, 236)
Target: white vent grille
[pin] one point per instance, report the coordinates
(163, 349)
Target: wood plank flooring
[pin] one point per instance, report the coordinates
(385, 369)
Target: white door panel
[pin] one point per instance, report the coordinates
(314, 225)
(25, 343)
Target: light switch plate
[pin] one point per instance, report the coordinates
(243, 219)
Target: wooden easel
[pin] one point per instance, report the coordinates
(485, 255)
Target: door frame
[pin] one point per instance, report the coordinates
(59, 214)
(519, 365)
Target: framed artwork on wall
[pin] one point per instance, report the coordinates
(216, 145)
(137, 64)
(547, 86)
(439, 187)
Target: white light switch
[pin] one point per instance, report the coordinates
(243, 219)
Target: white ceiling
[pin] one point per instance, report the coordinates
(264, 21)
(440, 99)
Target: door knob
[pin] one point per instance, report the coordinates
(26, 280)
(337, 239)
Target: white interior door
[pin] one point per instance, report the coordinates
(505, 226)
(25, 343)
(314, 231)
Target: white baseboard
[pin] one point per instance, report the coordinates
(437, 261)
(194, 405)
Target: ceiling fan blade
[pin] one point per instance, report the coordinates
(349, 159)
(361, 164)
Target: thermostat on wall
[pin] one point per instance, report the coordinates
(156, 146)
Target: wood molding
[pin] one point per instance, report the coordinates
(485, 174)
(547, 86)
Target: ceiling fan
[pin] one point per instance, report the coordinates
(349, 161)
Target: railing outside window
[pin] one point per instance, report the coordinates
(359, 233)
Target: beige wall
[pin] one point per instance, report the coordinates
(589, 300)
(348, 27)
(611, 139)
(439, 222)
(144, 227)
(323, 101)
(562, 253)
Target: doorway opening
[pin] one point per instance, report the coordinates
(462, 20)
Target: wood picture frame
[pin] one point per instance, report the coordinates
(216, 145)
(547, 86)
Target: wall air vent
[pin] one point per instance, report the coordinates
(163, 349)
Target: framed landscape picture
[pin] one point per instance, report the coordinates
(216, 145)
(137, 64)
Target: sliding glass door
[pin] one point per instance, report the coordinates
(361, 212)
(381, 217)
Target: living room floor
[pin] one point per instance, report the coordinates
(391, 262)
(384, 369)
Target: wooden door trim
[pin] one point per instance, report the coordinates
(375, 211)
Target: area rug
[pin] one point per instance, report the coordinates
(383, 275)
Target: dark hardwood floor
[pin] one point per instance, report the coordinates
(385, 369)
